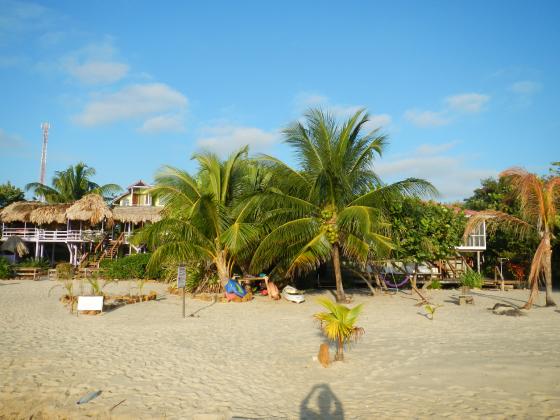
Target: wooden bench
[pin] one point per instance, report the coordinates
(32, 273)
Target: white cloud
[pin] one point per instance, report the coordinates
(306, 100)
(525, 87)
(10, 141)
(163, 123)
(97, 72)
(467, 102)
(225, 138)
(433, 149)
(450, 174)
(377, 121)
(134, 101)
(454, 105)
(19, 16)
(95, 64)
(426, 118)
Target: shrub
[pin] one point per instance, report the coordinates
(436, 284)
(472, 279)
(34, 263)
(64, 271)
(6, 271)
(130, 267)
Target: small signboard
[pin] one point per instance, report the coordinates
(90, 303)
(181, 277)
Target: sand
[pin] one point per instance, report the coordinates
(256, 359)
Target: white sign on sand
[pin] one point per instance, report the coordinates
(181, 276)
(90, 303)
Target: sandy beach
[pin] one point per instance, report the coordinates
(256, 360)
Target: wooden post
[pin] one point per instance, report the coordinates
(478, 261)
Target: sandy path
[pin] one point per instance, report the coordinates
(254, 360)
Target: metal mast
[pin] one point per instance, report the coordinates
(45, 127)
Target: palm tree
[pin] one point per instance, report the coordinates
(334, 204)
(339, 324)
(539, 200)
(72, 184)
(205, 217)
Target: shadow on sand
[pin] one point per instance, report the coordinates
(328, 405)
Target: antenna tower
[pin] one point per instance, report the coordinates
(45, 127)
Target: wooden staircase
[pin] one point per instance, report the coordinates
(105, 249)
(111, 251)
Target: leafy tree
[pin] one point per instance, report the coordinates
(334, 205)
(425, 231)
(72, 184)
(205, 217)
(538, 200)
(554, 169)
(497, 194)
(9, 194)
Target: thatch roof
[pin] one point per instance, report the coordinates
(91, 208)
(137, 214)
(51, 213)
(15, 245)
(19, 211)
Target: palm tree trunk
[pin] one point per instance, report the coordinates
(335, 253)
(548, 271)
(339, 356)
(222, 268)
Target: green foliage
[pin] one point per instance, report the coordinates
(10, 194)
(64, 271)
(130, 267)
(206, 217)
(472, 279)
(497, 194)
(72, 184)
(435, 284)
(6, 271)
(425, 231)
(431, 310)
(34, 263)
(339, 323)
(335, 204)
(97, 285)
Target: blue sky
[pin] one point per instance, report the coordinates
(463, 89)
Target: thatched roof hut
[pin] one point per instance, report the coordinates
(19, 211)
(51, 213)
(90, 208)
(138, 214)
(15, 245)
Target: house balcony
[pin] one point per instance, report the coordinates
(44, 235)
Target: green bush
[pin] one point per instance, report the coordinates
(34, 263)
(436, 284)
(64, 271)
(6, 271)
(130, 267)
(472, 279)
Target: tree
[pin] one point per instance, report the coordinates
(72, 184)
(205, 217)
(425, 231)
(497, 194)
(538, 211)
(338, 324)
(9, 194)
(334, 205)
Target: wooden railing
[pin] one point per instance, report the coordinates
(36, 234)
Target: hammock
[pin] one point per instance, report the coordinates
(394, 284)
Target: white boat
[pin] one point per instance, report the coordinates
(292, 294)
